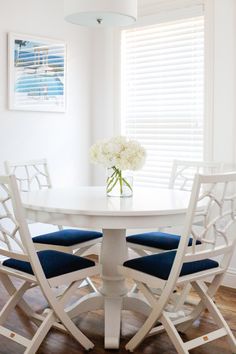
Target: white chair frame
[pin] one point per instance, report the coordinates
(180, 170)
(36, 174)
(184, 172)
(218, 216)
(20, 236)
(34, 171)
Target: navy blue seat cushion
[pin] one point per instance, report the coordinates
(54, 263)
(161, 240)
(159, 265)
(67, 238)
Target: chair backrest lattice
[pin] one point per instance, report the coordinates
(30, 175)
(213, 201)
(183, 172)
(12, 244)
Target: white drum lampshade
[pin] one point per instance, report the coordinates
(101, 13)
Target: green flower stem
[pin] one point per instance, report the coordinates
(121, 184)
(109, 181)
(127, 184)
(113, 185)
(116, 177)
(113, 174)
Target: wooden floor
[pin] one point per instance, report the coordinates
(92, 325)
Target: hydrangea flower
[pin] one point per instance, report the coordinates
(118, 154)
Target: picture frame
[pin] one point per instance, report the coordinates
(37, 73)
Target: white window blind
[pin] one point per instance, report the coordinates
(163, 94)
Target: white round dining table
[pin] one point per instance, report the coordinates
(89, 207)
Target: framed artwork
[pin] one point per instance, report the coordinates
(37, 70)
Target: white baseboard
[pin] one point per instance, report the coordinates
(230, 278)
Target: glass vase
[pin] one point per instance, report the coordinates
(119, 183)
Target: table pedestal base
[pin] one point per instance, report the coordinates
(113, 295)
(112, 307)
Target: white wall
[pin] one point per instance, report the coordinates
(102, 111)
(224, 124)
(63, 138)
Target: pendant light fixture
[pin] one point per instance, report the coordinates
(101, 13)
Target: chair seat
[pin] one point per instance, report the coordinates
(67, 238)
(160, 265)
(54, 263)
(161, 240)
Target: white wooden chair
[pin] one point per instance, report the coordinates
(212, 200)
(34, 175)
(183, 172)
(182, 177)
(46, 269)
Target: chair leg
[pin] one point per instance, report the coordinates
(12, 302)
(134, 289)
(56, 311)
(173, 334)
(57, 307)
(15, 298)
(22, 304)
(216, 314)
(211, 291)
(90, 284)
(11, 289)
(68, 293)
(84, 283)
(181, 299)
(143, 331)
(41, 333)
(139, 252)
(157, 305)
(80, 251)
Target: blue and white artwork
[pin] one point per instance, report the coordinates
(37, 74)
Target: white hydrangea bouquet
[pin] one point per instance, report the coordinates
(118, 154)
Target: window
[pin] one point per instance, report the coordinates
(163, 94)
